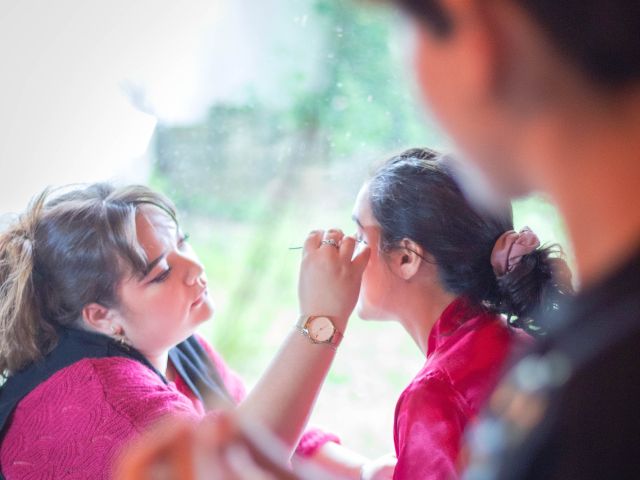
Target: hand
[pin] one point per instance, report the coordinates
(180, 449)
(379, 469)
(330, 276)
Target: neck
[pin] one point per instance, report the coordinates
(419, 310)
(591, 169)
(160, 362)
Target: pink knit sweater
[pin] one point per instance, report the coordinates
(75, 423)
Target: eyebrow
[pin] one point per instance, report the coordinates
(355, 219)
(153, 263)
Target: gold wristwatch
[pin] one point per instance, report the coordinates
(319, 329)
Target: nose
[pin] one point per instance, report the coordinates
(194, 272)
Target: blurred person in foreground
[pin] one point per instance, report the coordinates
(545, 96)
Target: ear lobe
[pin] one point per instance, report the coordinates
(406, 259)
(98, 317)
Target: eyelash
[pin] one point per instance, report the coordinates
(184, 239)
(162, 277)
(165, 274)
(360, 239)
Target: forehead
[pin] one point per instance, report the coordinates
(154, 229)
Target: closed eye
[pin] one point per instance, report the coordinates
(162, 276)
(183, 240)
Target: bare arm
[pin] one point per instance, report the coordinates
(329, 285)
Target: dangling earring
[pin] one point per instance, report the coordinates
(122, 340)
(119, 337)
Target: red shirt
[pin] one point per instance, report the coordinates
(467, 349)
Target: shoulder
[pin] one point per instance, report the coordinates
(137, 393)
(475, 357)
(484, 340)
(77, 383)
(119, 387)
(82, 415)
(122, 386)
(600, 400)
(570, 406)
(89, 394)
(430, 390)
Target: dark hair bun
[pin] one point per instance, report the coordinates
(535, 289)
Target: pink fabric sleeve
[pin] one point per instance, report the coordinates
(313, 439)
(137, 394)
(430, 419)
(74, 424)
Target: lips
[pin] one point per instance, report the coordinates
(200, 300)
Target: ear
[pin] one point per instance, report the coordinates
(406, 259)
(100, 318)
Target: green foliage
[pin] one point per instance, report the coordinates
(365, 100)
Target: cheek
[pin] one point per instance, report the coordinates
(374, 289)
(159, 306)
(428, 76)
(156, 312)
(371, 280)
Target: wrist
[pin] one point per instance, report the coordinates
(321, 329)
(338, 317)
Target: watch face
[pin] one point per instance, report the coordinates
(321, 329)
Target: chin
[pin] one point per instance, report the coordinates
(368, 313)
(210, 308)
(201, 315)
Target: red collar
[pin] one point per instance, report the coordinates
(456, 314)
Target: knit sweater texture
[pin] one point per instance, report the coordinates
(76, 423)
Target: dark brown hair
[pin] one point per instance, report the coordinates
(68, 249)
(600, 37)
(414, 196)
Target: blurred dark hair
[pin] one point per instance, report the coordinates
(601, 37)
(414, 196)
(65, 251)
